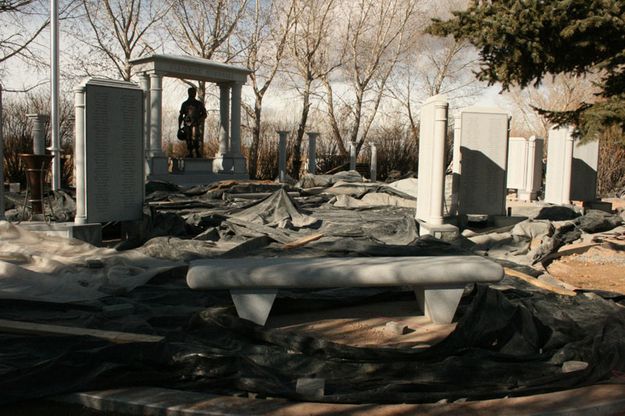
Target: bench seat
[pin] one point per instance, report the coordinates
(438, 281)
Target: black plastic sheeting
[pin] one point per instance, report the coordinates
(507, 343)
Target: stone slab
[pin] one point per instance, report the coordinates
(584, 171)
(90, 233)
(517, 163)
(483, 161)
(114, 176)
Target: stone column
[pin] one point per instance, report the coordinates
(433, 132)
(533, 179)
(567, 173)
(235, 120)
(144, 82)
(282, 155)
(1, 162)
(374, 162)
(79, 155)
(39, 133)
(559, 165)
(312, 152)
(352, 156)
(156, 111)
(224, 119)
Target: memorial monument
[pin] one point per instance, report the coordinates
(228, 160)
(571, 168)
(483, 151)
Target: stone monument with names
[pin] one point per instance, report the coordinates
(483, 152)
(109, 151)
(571, 167)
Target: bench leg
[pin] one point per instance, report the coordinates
(253, 304)
(439, 303)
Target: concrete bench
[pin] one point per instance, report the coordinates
(438, 281)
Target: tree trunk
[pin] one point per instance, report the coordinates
(297, 149)
(252, 158)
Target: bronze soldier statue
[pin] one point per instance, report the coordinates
(190, 123)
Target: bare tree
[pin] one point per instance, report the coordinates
(119, 31)
(265, 43)
(309, 47)
(204, 29)
(18, 19)
(375, 38)
(560, 93)
(434, 66)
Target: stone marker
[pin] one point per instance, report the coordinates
(584, 171)
(571, 168)
(374, 163)
(352, 156)
(312, 152)
(525, 166)
(282, 155)
(483, 158)
(109, 151)
(39, 133)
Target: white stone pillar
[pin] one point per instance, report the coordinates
(55, 139)
(352, 156)
(559, 165)
(156, 112)
(1, 162)
(39, 133)
(282, 155)
(235, 120)
(224, 119)
(79, 155)
(534, 170)
(431, 174)
(312, 152)
(144, 82)
(374, 163)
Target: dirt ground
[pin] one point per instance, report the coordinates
(601, 267)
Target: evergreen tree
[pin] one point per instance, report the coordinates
(522, 41)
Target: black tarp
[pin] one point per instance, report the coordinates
(507, 343)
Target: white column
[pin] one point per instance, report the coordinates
(224, 118)
(352, 156)
(1, 162)
(79, 155)
(144, 81)
(431, 189)
(156, 111)
(567, 173)
(55, 147)
(312, 152)
(282, 155)
(374, 162)
(39, 136)
(533, 170)
(235, 121)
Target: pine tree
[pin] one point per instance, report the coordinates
(522, 41)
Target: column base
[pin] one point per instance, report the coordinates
(229, 163)
(526, 196)
(445, 232)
